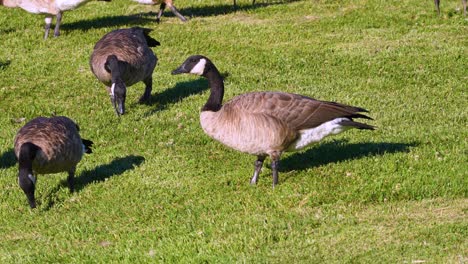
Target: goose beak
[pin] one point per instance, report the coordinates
(118, 106)
(180, 70)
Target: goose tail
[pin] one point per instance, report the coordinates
(354, 124)
(87, 144)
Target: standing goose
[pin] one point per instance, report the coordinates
(48, 145)
(437, 5)
(163, 3)
(267, 123)
(48, 7)
(122, 58)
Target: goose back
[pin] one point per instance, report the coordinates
(130, 46)
(254, 133)
(264, 122)
(60, 145)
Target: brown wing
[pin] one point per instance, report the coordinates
(57, 138)
(131, 48)
(299, 112)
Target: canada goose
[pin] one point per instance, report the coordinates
(267, 123)
(437, 4)
(48, 7)
(48, 145)
(162, 7)
(122, 58)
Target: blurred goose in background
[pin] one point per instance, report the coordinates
(163, 3)
(48, 7)
(437, 5)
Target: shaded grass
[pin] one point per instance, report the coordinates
(157, 189)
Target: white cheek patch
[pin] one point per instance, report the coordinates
(199, 68)
(32, 178)
(112, 89)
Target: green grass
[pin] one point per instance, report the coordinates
(157, 189)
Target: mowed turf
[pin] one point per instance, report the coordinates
(157, 189)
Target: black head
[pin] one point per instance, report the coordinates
(118, 90)
(118, 95)
(27, 182)
(196, 64)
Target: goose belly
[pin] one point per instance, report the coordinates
(68, 4)
(44, 164)
(254, 135)
(316, 134)
(38, 7)
(147, 2)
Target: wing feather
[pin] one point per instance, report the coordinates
(299, 112)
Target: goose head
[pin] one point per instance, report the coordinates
(196, 64)
(118, 94)
(27, 182)
(118, 90)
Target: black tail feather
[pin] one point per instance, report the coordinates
(149, 40)
(88, 144)
(351, 123)
(360, 116)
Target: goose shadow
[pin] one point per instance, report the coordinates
(98, 174)
(8, 159)
(223, 9)
(176, 94)
(4, 64)
(338, 151)
(7, 31)
(103, 172)
(141, 19)
(107, 21)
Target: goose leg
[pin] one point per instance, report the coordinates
(48, 22)
(161, 10)
(71, 179)
(235, 5)
(148, 88)
(257, 168)
(176, 12)
(57, 24)
(275, 158)
(253, 2)
(464, 7)
(437, 2)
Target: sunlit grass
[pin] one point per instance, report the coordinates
(157, 188)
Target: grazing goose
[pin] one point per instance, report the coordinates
(437, 4)
(122, 58)
(48, 7)
(162, 7)
(48, 145)
(267, 123)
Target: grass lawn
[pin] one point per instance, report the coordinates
(157, 189)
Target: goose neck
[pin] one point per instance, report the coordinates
(216, 83)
